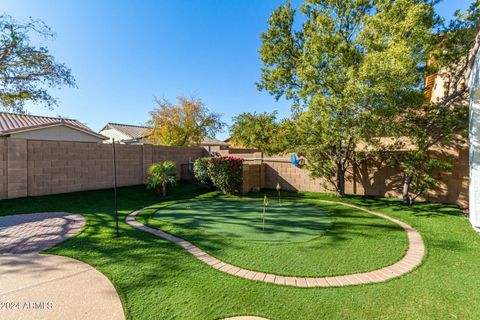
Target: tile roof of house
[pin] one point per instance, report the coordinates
(14, 122)
(208, 141)
(137, 132)
(133, 131)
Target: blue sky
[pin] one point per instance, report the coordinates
(124, 53)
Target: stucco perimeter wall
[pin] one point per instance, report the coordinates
(35, 167)
(374, 178)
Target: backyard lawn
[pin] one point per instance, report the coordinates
(157, 279)
(296, 239)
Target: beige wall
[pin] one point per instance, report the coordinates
(253, 177)
(34, 167)
(56, 133)
(370, 178)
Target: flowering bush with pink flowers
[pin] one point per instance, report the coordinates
(226, 173)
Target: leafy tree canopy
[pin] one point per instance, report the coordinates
(443, 120)
(259, 131)
(26, 70)
(185, 124)
(349, 68)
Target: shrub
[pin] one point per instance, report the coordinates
(161, 174)
(200, 170)
(226, 173)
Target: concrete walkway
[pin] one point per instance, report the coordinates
(412, 258)
(42, 286)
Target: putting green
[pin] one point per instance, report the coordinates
(243, 219)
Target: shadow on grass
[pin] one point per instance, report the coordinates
(97, 241)
(244, 220)
(349, 224)
(97, 244)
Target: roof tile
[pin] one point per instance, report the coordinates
(14, 121)
(134, 132)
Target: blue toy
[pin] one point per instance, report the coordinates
(294, 160)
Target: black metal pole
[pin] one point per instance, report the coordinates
(115, 185)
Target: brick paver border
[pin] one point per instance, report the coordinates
(412, 259)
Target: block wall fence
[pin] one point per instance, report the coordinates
(369, 178)
(34, 168)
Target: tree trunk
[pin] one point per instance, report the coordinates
(406, 189)
(164, 189)
(340, 180)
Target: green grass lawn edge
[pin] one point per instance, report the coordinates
(156, 279)
(307, 267)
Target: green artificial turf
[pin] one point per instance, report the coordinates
(244, 219)
(295, 241)
(157, 279)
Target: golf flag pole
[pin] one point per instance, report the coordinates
(265, 205)
(263, 219)
(115, 186)
(278, 189)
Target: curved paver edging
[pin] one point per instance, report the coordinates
(412, 258)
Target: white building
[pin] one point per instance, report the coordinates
(474, 137)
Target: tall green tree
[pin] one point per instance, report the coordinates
(350, 67)
(26, 70)
(443, 120)
(258, 131)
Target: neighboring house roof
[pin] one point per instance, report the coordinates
(11, 123)
(207, 141)
(135, 132)
(132, 131)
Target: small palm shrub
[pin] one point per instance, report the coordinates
(226, 173)
(200, 170)
(160, 175)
